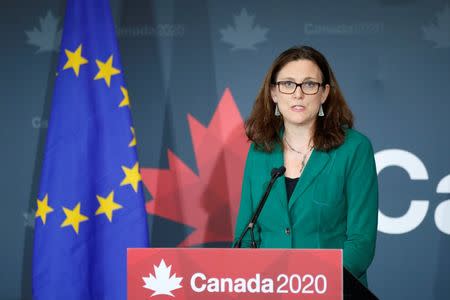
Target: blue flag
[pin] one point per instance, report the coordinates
(90, 206)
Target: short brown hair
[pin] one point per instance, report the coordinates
(263, 127)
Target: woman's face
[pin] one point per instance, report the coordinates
(299, 108)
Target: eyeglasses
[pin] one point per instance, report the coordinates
(307, 87)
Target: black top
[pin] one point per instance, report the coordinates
(290, 186)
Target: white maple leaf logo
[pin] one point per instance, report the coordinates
(162, 283)
(244, 34)
(439, 32)
(47, 37)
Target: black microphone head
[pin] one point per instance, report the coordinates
(276, 172)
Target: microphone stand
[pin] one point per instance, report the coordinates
(276, 172)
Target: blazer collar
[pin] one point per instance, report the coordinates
(316, 163)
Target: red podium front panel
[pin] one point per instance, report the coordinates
(205, 273)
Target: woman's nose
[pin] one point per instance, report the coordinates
(298, 92)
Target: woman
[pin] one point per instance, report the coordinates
(328, 197)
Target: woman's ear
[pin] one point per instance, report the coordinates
(325, 93)
(272, 94)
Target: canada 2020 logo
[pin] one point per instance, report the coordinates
(165, 282)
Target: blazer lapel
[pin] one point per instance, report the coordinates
(279, 187)
(314, 166)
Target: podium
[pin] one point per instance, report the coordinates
(207, 273)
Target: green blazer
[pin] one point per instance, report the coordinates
(334, 204)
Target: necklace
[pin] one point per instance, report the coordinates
(302, 166)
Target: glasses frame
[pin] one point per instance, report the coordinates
(299, 85)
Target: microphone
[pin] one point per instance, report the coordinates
(278, 171)
(275, 173)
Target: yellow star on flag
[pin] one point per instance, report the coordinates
(133, 140)
(73, 217)
(126, 99)
(132, 176)
(43, 209)
(75, 60)
(106, 70)
(107, 206)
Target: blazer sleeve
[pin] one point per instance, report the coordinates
(246, 208)
(361, 189)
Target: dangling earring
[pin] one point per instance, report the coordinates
(277, 111)
(321, 114)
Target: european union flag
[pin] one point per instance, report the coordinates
(90, 206)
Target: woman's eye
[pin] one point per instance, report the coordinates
(309, 84)
(288, 84)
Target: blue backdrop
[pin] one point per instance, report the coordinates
(391, 59)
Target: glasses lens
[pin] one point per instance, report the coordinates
(287, 87)
(310, 87)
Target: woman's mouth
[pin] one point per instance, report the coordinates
(297, 108)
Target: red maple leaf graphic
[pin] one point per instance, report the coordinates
(209, 201)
